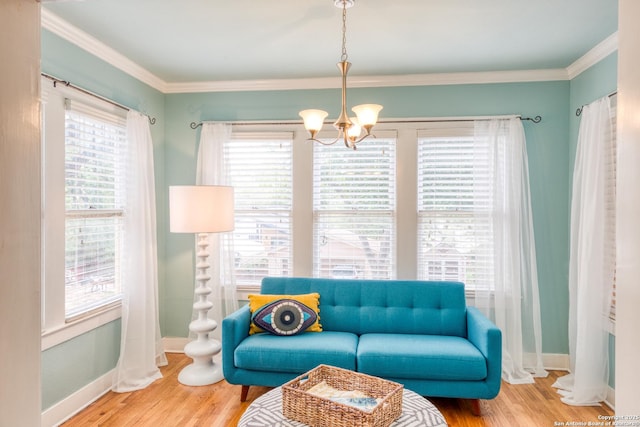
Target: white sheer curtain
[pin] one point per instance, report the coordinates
(513, 303)
(140, 346)
(591, 268)
(211, 170)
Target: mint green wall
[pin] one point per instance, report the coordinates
(547, 146)
(73, 364)
(599, 80)
(69, 366)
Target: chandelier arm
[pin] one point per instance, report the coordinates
(324, 142)
(347, 141)
(362, 138)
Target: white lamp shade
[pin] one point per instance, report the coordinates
(367, 113)
(201, 209)
(313, 119)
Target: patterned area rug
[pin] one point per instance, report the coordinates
(267, 411)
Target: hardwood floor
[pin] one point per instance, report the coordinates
(169, 403)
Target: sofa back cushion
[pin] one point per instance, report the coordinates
(381, 306)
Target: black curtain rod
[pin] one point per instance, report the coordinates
(579, 110)
(536, 119)
(56, 80)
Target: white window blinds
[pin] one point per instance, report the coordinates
(454, 225)
(354, 205)
(260, 170)
(94, 205)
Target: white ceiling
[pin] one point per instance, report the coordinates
(213, 40)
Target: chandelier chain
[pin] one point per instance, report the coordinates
(344, 56)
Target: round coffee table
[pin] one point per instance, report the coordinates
(267, 411)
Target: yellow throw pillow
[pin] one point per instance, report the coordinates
(284, 314)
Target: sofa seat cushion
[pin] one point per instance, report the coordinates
(298, 353)
(423, 357)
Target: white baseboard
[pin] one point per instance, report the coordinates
(556, 362)
(611, 398)
(76, 402)
(174, 344)
(550, 361)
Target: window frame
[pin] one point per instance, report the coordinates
(444, 131)
(301, 198)
(237, 136)
(384, 214)
(110, 217)
(56, 327)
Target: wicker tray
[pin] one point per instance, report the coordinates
(316, 411)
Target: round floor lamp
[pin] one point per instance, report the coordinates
(201, 209)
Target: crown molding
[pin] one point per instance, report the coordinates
(478, 77)
(253, 85)
(435, 79)
(73, 34)
(595, 55)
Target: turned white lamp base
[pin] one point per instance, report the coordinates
(203, 370)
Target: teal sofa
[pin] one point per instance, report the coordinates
(418, 333)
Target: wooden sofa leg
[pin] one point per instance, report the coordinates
(243, 393)
(475, 407)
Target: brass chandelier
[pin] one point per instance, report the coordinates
(349, 129)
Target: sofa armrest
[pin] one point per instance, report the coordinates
(235, 328)
(487, 337)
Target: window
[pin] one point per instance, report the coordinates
(454, 222)
(83, 211)
(260, 170)
(354, 200)
(95, 148)
(411, 203)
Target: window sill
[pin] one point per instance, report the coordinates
(61, 333)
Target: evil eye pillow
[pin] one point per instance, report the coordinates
(284, 314)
